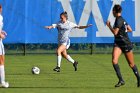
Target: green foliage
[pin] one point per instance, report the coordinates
(74, 48)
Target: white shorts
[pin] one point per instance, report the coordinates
(67, 44)
(2, 52)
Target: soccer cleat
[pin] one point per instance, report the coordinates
(57, 69)
(75, 65)
(120, 83)
(5, 85)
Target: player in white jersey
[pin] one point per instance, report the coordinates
(64, 27)
(2, 53)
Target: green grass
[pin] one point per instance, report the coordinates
(95, 75)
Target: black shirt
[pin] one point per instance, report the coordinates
(121, 39)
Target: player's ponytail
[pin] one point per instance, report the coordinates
(65, 14)
(0, 6)
(117, 8)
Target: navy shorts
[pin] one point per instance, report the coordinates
(125, 48)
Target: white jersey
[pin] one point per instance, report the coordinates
(1, 22)
(2, 52)
(1, 25)
(64, 30)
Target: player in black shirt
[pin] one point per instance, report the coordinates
(122, 44)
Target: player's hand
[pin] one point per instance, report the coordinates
(108, 23)
(48, 27)
(2, 36)
(89, 25)
(4, 33)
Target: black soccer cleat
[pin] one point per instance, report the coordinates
(57, 69)
(75, 65)
(120, 83)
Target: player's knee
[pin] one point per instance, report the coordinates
(64, 55)
(131, 65)
(58, 51)
(114, 61)
(1, 63)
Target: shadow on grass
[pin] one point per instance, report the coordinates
(63, 87)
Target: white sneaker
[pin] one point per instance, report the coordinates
(5, 85)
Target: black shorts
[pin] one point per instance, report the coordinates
(125, 48)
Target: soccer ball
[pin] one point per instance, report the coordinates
(35, 70)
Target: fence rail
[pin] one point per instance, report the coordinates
(51, 48)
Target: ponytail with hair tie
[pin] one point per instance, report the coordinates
(65, 14)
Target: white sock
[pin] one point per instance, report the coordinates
(70, 59)
(59, 61)
(2, 74)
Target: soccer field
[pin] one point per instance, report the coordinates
(95, 75)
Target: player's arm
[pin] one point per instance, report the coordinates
(2, 36)
(83, 27)
(50, 27)
(113, 30)
(129, 29)
(4, 33)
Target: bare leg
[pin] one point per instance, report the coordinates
(60, 49)
(115, 57)
(65, 55)
(130, 59)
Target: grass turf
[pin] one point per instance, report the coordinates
(95, 75)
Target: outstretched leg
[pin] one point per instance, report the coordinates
(130, 59)
(65, 55)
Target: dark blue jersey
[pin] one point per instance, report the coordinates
(121, 39)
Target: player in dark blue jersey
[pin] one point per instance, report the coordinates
(122, 44)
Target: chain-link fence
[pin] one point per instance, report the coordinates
(51, 48)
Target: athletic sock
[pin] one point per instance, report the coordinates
(117, 69)
(2, 74)
(70, 59)
(59, 61)
(135, 70)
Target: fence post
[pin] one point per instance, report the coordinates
(91, 52)
(24, 47)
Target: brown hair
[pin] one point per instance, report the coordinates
(0, 6)
(117, 8)
(65, 14)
